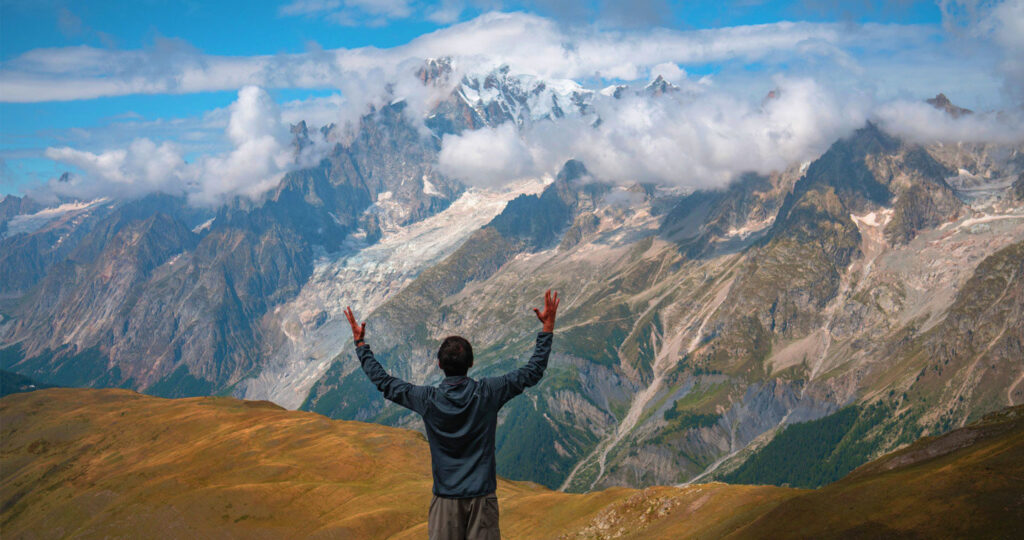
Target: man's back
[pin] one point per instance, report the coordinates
(460, 416)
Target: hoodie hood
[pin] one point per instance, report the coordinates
(456, 402)
(459, 391)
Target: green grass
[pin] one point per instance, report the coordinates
(815, 453)
(181, 383)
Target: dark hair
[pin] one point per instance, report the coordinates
(455, 356)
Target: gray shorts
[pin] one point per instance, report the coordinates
(464, 519)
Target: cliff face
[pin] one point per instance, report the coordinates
(158, 296)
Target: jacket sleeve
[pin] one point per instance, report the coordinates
(514, 382)
(408, 395)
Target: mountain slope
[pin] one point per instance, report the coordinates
(964, 484)
(697, 325)
(704, 323)
(96, 463)
(192, 313)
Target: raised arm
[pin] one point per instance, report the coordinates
(394, 389)
(514, 382)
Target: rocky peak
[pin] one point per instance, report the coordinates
(843, 167)
(435, 71)
(659, 86)
(942, 103)
(615, 91)
(772, 95)
(491, 98)
(572, 170)
(300, 135)
(12, 205)
(539, 220)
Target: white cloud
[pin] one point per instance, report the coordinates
(309, 7)
(261, 153)
(140, 168)
(447, 12)
(696, 141)
(922, 123)
(669, 71)
(487, 157)
(1007, 25)
(389, 8)
(350, 12)
(999, 22)
(701, 137)
(527, 43)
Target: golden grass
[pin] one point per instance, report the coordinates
(113, 463)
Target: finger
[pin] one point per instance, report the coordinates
(362, 330)
(537, 311)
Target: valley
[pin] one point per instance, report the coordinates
(697, 324)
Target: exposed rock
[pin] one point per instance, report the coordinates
(941, 102)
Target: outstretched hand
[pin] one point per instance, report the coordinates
(358, 331)
(547, 317)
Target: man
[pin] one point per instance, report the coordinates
(460, 416)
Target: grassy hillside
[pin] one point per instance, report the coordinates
(99, 463)
(11, 383)
(815, 453)
(968, 483)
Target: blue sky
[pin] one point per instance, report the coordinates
(95, 76)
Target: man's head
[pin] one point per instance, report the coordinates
(455, 356)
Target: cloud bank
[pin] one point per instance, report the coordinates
(260, 155)
(549, 51)
(679, 139)
(721, 125)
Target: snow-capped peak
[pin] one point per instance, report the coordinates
(522, 97)
(660, 86)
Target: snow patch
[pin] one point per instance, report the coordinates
(430, 189)
(752, 227)
(873, 219)
(985, 219)
(203, 226)
(29, 223)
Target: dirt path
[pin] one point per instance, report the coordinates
(1015, 384)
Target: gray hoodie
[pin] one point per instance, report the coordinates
(460, 415)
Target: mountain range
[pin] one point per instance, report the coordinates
(861, 300)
